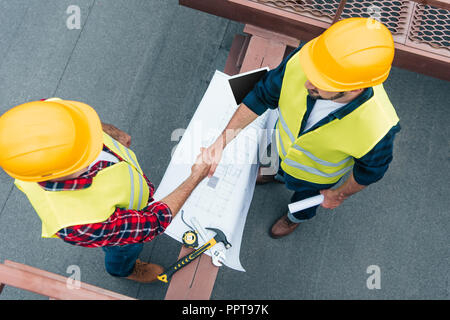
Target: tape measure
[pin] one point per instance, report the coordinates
(190, 239)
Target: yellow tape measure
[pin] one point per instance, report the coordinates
(190, 239)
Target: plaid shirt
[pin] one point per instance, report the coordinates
(123, 226)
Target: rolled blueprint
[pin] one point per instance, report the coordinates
(305, 204)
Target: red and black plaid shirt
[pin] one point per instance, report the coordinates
(123, 226)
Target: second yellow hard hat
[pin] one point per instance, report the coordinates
(45, 140)
(353, 53)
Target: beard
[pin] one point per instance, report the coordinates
(315, 95)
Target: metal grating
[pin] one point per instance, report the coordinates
(431, 25)
(393, 14)
(417, 25)
(324, 10)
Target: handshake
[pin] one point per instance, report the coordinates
(205, 165)
(206, 162)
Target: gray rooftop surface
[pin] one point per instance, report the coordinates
(144, 66)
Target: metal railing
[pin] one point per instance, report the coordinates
(421, 28)
(411, 23)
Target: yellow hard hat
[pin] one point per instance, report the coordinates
(353, 53)
(45, 140)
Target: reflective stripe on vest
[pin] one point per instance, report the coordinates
(130, 158)
(325, 154)
(286, 127)
(307, 153)
(141, 180)
(315, 171)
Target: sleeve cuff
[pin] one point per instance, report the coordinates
(366, 176)
(253, 103)
(163, 213)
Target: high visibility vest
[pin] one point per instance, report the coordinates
(121, 185)
(325, 154)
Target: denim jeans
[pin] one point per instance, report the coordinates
(120, 260)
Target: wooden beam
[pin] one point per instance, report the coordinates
(273, 36)
(422, 61)
(194, 281)
(262, 52)
(45, 286)
(235, 56)
(54, 276)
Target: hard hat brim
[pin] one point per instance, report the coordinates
(311, 70)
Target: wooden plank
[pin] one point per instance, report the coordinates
(233, 63)
(263, 52)
(253, 61)
(273, 36)
(181, 281)
(44, 286)
(194, 281)
(63, 279)
(274, 55)
(204, 279)
(421, 61)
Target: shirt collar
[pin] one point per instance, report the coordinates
(355, 103)
(82, 182)
(349, 107)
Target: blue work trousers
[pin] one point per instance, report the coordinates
(302, 190)
(120, 260)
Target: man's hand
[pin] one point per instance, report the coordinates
(214, 153)
(199, 171)
(202, 165)
(332, 198)
(119, 135)
(240, 119)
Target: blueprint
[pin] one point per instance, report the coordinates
(223, 200)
